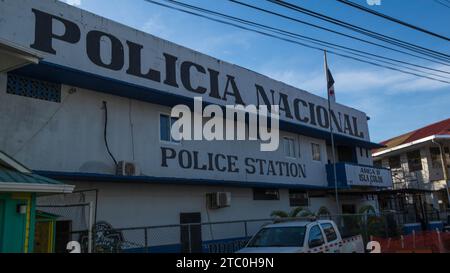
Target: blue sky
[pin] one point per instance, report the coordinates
(397, 103)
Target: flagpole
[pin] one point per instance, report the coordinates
(333, 152)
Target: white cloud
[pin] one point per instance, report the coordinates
(214, 44)
(156, 25)
(73, 2)
(355, 81)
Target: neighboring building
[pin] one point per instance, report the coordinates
(419, 162)
(94, 112)
(19, 219)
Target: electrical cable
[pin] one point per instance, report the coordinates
(292, 41)
(105, 138)
(392, 19)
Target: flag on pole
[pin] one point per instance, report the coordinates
(330, 86)
(330, 82)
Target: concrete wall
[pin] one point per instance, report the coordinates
(68, 137)
(158, 204)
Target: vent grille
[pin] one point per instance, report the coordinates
(33, 88)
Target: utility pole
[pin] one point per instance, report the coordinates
(333, 152)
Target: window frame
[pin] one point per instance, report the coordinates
(326, 234)
(414, 167)
(312, 152)
(266, 197)
(293, 150)
(295, 191)
(399, 162)
(321, 234)
(171, 140)
(435, 162)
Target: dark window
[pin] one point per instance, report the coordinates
(348, 209)
(63, 234)
(378, 163)
(394, 162)
(191, 235)
(447, 156)
(165, 124)
(346, 154)
(266, 194)
(315, 237)
(33, 88)
(435, 153)
(298, 198)
(330, 233)
(414, 161)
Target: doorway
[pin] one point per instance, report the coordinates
(191, 235)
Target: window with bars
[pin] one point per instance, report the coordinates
(33, 88)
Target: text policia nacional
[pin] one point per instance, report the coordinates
(126, 57)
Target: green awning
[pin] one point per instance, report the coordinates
(14, 181)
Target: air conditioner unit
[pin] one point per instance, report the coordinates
(127, 168)
(218, 200)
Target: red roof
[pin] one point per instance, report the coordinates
(438, 128)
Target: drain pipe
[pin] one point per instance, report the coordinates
(444, 169)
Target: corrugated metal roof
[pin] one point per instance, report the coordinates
(12, 176)
(438, 128)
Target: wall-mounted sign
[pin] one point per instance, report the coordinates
(367, 176)
(71, 38)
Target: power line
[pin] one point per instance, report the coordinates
(373, 34)
(288, 40)
(443, 4)
(335, 32)
(392, 19)
(352, 51)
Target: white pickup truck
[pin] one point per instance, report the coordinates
(320, 236)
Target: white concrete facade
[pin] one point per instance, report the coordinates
(67, 137)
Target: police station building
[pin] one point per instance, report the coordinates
(87, 101)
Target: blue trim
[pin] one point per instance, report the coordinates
(93, 177)
(229, 245)
(65, 75)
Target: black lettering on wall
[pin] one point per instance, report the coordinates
(93, 47)
(166, 153)
(171, 76)
(43, 33)
(134, 68)
(186, 76)
(297, 110)
(235, 91)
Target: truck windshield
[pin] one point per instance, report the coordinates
(279, 237)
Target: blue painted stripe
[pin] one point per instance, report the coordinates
(229, 245)
(65, 75)
(77, 176)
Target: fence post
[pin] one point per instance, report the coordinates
(441, 247)
(91, 219)
(189, 238)
(146, 240)
(246, 230)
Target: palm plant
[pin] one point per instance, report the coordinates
(296, 212)
(323, 211)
